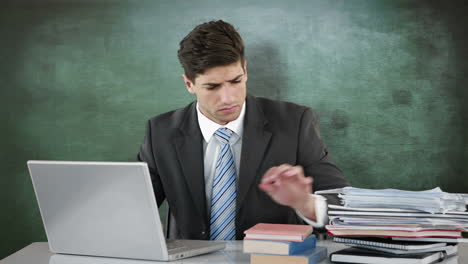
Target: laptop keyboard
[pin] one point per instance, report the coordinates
(175, 245)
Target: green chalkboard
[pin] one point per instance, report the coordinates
(78, 80)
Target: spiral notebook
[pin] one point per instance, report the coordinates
(363, 256)
(388, 243)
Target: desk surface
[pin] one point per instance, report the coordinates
(38, 253)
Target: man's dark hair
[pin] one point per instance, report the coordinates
(208, 45)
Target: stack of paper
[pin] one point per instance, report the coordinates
(431, 201)
(405, 224)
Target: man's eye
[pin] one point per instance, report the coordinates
(236, 81)
(211, 88)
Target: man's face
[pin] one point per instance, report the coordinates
(220, 91)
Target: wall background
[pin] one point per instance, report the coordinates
(78, 80)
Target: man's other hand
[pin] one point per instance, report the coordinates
(287, 185)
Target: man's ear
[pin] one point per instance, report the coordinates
(188, 84)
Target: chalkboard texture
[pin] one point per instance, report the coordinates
(78, 80)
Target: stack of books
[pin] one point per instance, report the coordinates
(282, 243)
(396, 226)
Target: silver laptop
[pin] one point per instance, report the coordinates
(105, 209)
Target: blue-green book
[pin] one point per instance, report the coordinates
(311, 256)
(279, 247)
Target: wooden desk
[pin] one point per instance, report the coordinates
(38, 253)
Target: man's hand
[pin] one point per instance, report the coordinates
(287, 185)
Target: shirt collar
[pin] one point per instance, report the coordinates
(208, 127)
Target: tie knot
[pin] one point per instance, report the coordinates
(223, 135)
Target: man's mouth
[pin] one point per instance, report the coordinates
(229, 109)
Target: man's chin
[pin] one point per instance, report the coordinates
(228, 118)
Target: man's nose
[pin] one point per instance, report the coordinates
(227, 94)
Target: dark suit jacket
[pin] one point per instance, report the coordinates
(274, 133)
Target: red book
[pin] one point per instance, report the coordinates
(391, 231)
(285, 232)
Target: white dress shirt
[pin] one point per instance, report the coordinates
(211, 149)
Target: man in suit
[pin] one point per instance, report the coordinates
(229, 160)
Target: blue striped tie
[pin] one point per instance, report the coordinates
(223, 196)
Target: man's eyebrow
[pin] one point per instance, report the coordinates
(237, 77)
(211, 84)
(215, 84)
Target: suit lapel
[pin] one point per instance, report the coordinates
(255, 141)
(189, 149)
